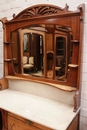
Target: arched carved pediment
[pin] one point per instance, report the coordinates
(40, 10)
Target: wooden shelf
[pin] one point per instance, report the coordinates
(7, 60)
(61, 87)
(73, 65)
(75, 41)
(50, 52)
(6, 42)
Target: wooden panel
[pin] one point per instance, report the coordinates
(49, 42)
(74, 125)
(4, 119)
(0, 121)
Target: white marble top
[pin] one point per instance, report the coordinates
(50, 113)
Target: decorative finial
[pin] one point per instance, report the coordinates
(66, 7)
(14, 15)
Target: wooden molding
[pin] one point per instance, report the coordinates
(40, 10)
(61, 87)
(76, 101)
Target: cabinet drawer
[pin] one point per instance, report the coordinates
(15, 122)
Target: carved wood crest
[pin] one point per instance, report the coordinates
(40, 10)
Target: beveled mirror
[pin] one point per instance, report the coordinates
(30, 44)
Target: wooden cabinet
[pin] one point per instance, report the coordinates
(15, 122)
(55, 42)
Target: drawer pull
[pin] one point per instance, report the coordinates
(28, 122)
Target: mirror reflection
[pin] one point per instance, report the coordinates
(33, 54)
(42, 51)
(61, 55)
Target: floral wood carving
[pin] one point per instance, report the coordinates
(40, 10)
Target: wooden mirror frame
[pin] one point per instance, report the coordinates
(46, 14)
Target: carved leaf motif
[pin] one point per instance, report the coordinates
(39, 11)
(11, 126)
